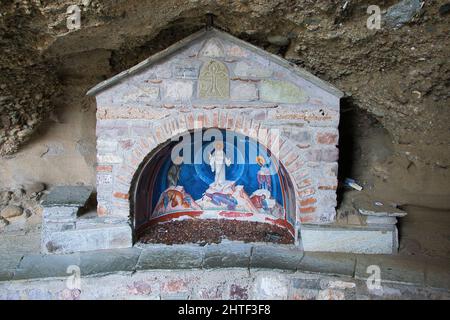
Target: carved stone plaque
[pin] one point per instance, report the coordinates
(214, 81)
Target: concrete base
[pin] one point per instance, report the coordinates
(374, 239)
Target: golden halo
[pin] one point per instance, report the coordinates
(260, 160)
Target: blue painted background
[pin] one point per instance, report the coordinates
(195, 178)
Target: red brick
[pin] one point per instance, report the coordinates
(290, 158)
(190, 121)
(334, 187)
(200, 121)
(223, 120)
(238, 293)
(104, 168)
(305, 218)
(308, 210)
(175, 286)
(306, 192)
(216, 119)
(126, 144)
(308, 201)
(230, 121)
(139, 288)
(304, 183)
(121, 195)
(101, 211)
(327, 138)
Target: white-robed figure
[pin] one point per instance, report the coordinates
(217, 161)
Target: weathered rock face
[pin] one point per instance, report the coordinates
(11, 211)
(399, 74)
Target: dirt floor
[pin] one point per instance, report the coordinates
(425, 233)
(214, 231)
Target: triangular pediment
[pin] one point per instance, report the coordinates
(246, 62)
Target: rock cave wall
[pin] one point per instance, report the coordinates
(395, 119)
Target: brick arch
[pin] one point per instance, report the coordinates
(289, 155)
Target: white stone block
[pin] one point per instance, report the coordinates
(105, 237)
(352, 240)
(178, 90)
(243, 91)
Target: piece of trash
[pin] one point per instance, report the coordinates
(378, 204)
(272, 237)
(352, 183)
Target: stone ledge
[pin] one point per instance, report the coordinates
(45, 266)
(108, 261)
(93, 262)
(67, 196)
(394, 269)
(227, 255)
(328, 263)
(8, 264)
(276, 257)
(170, 257)
(406, 271)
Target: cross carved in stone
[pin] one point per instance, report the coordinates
(214, 81)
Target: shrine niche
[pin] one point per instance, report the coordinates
(214, 82)
(269, 168)
(237, 179)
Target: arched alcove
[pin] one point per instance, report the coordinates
(176, 182)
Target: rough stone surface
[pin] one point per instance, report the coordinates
(166, 257)
(43, 266)
(251, 69)
(34, 187)
(281, 91)
(68, 196)
(392, 270)
(227, 255)
(246, 91)
(328, 263)
(11, 211)
(271, 287)
(109, 261)
(276, 257)
(402, 12)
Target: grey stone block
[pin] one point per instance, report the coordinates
(328, 263)
(227, 255)
(46, 266)
(171, 257)
(392, 268)
(67, 196)
(106, 261)
(106, 237)
(300, 283)
(401, 13)
(57, 226)
(60, 214)
(8, 264)
(381, 220)
(6, 275)
(275, 257)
